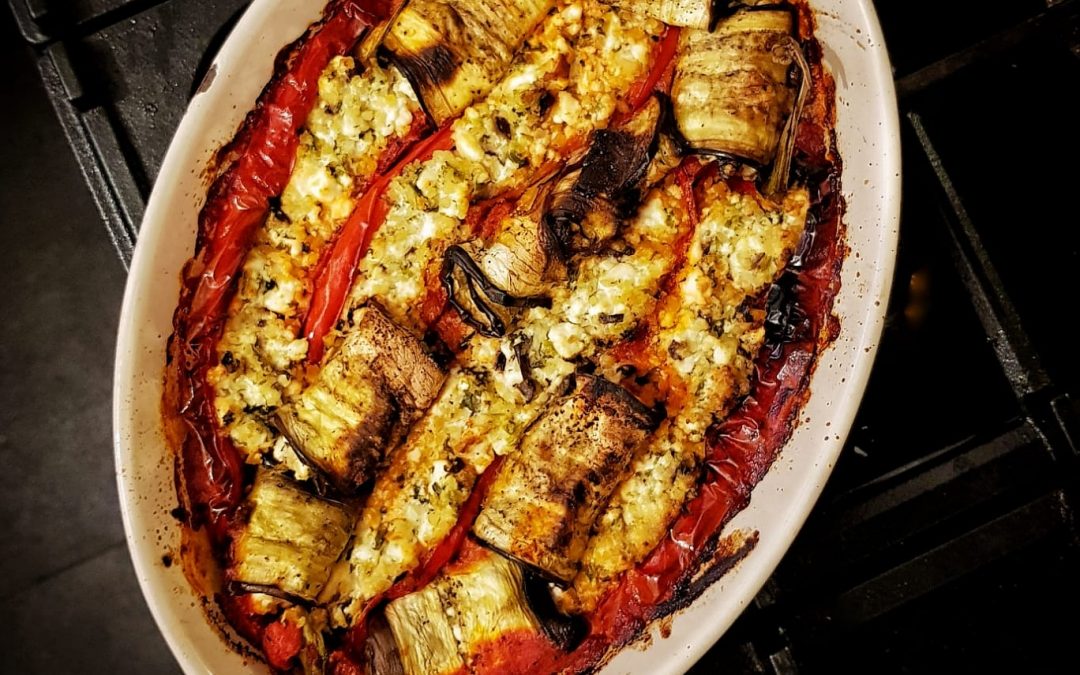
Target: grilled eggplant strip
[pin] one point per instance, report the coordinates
(519, 258)
(685, 13)
(455, 52)
(549, 491)
(440, 628)
(511, 273)
(290, 541)
(378, 382)
(731, 92)
(424, 634)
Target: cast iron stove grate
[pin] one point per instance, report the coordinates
(946, 539)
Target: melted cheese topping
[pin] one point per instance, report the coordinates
(261, 355)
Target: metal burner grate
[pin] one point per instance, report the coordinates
(946, 539)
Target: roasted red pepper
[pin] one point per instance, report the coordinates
(660, 71)
(281, 643)
(264, 151)
(449, 547)
(686, 175)
(335, 276)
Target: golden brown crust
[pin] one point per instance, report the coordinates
(377, 383)
(546, 496)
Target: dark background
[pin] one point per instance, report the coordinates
(69, 601)
(946, 540)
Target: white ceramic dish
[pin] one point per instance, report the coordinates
(868, 135)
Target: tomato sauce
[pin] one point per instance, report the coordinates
(740, 450)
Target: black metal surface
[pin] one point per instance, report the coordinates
(121, 89)
(946, 539)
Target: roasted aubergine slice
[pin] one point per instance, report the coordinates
(289, 541)
(444, 627)
(513, 272)
(542, 504)
(731, 93)
(455, 52)
(373, 387)
(686, 13)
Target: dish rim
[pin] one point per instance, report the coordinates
(269, 24)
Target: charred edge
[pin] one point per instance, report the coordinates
(669, 126)
(386, 58)
(616, 162)
(441, 62)
(769, 7)
(477, 282)
(528, 567)
(725, 9)
(566, 632)
(242, 588)
(327, 486)
(438, 350)
(455, 258)
(728, 159)
(600, 170)
(432, 65)
(527, 386)
(569, 384)
(711, 570)
(337, 500)
(785, 320)
(722, 9)
(644, 417)
(222, 617)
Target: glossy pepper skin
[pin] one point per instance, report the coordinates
(335, 276)
(658, 77)
(261, 157)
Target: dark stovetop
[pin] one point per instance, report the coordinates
(946, 539)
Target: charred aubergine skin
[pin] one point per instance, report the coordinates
(731, 92)
(455, 52)
(542, 504)
(578, 212)
(441, 628)
(378, 382)
(588, 204)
